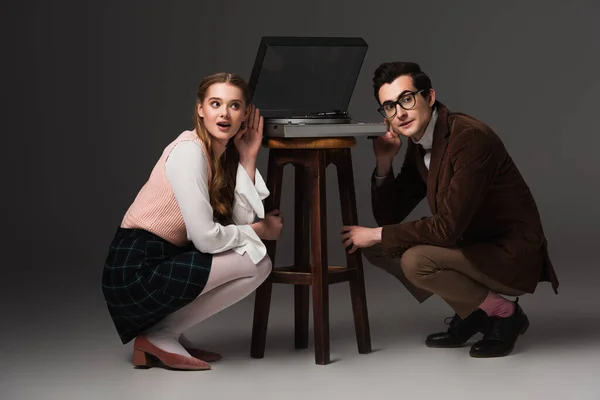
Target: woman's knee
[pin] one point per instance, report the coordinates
(264, 267)
(229, 266)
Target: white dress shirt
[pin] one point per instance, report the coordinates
(426, 140)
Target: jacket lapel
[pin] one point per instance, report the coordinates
(438, 148)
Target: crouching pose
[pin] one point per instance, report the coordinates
(190, 244)
(484, 238)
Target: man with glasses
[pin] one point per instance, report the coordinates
(484, 238)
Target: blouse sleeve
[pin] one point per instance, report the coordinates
(187, 172)
(249, 196)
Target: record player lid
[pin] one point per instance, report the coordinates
(306, 76)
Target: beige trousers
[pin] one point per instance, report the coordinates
(425, 270)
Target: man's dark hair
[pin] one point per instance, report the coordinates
(389, 71)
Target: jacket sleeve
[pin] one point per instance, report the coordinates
(394, 198)
(474, 161)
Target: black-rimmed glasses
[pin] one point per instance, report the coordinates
(406, 100)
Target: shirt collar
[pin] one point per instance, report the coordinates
(427, 139)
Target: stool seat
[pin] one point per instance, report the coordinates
(310, 143)
(310, 270)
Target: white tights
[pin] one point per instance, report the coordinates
(232, 278)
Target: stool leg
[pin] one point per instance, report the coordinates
(357, 283)
(319, 264)
(301, 256)
(262, 300)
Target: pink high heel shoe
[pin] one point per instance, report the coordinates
(204, 355)
(144, 352)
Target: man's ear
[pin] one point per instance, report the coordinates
(431, 97)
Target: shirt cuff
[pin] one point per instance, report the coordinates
(251, 194)
(379, 180)
(254, 246)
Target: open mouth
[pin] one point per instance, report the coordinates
(223, 124)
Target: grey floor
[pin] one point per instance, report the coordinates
(78, 356)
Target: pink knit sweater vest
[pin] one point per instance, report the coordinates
(155, 208)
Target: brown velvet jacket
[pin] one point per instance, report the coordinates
(478, 199)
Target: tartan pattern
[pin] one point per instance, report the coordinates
(145, 278)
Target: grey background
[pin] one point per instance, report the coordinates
(93, 91)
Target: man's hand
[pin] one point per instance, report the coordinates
(358, 237)
(386, 147)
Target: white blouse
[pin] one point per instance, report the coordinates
(187, 170)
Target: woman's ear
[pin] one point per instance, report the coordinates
(200, 111)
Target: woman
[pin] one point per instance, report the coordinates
(189, 247)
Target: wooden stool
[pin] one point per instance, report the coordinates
(310, 157)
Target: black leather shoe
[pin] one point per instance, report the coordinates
(501, 335)
(459, 330)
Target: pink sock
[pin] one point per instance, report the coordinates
(495, 305)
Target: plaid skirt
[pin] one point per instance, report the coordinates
(145, 278)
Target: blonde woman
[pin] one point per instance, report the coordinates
(190, 244)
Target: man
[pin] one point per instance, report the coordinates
(484, 238)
